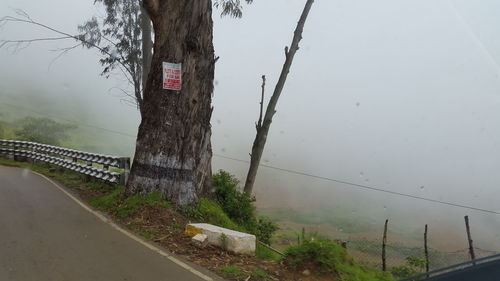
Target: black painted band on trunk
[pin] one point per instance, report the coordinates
(157, 172)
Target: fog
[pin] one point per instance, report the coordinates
(398, 95)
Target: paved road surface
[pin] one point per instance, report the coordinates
(45, 235)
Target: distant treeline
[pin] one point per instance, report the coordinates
(36, 129)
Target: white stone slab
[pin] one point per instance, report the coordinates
(234, 241)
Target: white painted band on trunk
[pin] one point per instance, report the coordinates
(127, 233)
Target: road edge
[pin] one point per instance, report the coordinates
(126, 232)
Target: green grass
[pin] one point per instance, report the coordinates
(150, 234)
(210, 212)
(123, 207)
(264, 253)
(236, 273)
(330, 258)
(232, 271)
(260, 274)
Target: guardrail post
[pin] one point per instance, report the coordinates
(87, 177)
(126, 172)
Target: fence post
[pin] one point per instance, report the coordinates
(426, 251)
(471, 247)
(384, 241)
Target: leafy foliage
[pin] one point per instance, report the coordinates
(43, 130)
(119, 36)
(232, 209)
(237, 205)
(231, 7)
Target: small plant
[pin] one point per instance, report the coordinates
(223, 241)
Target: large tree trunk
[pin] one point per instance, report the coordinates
(173, 151)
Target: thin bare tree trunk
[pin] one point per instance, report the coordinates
(261, 137)
(173, 152)
(426, 252)
(469, 239)
(384, 242)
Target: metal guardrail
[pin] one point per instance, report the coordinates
(68, 158)
(452, 268)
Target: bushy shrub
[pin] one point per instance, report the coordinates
(265, 230)
(43, 130)
(322, 253)
(237, 205)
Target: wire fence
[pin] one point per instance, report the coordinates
(370, 253)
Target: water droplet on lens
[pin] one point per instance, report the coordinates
(25, 173)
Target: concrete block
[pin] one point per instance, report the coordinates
(200, 240)
(234, 241)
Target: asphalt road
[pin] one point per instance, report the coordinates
(45, 235)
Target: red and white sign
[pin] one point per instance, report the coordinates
(172, 76)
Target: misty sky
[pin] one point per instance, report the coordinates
(398, 94)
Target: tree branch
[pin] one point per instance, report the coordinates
(27, 19)
(259, 123)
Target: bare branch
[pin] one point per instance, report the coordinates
(62, 51)
(259, 123)
(5, 42)
(26, 19)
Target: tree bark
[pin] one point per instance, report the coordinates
(147, 46)
(262, 131)
(173, 151)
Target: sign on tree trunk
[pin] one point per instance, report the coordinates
(172, 76)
